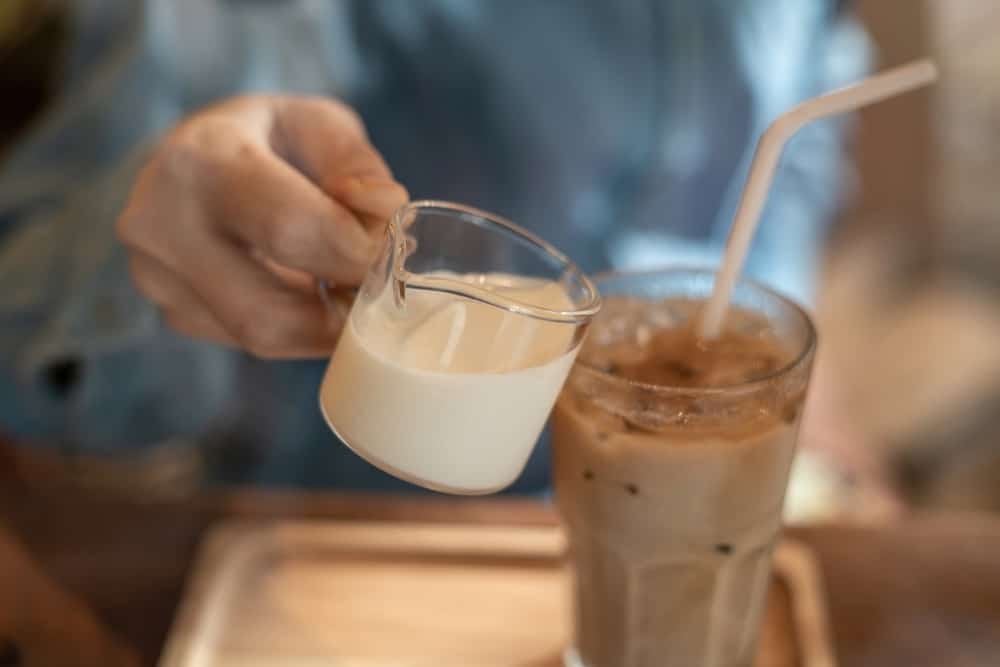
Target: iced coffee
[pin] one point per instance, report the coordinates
(671, 458)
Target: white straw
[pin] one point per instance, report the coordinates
(873, 89)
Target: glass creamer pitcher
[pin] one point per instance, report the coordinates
(453, 353)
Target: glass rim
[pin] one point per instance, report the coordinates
(808, 346)
(485, 219)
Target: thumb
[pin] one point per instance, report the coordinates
(326, 141)
(373, 199)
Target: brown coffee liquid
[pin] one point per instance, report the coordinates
(672, 499)
(746, 350)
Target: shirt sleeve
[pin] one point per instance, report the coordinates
(814, 176)
(83, 357)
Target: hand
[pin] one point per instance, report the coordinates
(243, 206)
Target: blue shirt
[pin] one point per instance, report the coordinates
(619, 131)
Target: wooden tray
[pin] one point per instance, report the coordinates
(305, 594)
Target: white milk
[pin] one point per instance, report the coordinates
(449, 393)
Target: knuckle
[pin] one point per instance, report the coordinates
(179, 159)
(241, 149)
(205, 143)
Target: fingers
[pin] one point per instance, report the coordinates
(373, 199)
(270, 206)
(327, 142)
(257, 309)
(182, 308)
(244, 206)
(266, 318)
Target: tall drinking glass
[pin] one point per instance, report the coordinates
(671, 458)
(455, 348)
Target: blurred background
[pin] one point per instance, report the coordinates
(909, 314)
(908, 305)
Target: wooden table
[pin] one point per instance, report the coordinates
(920, 592)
